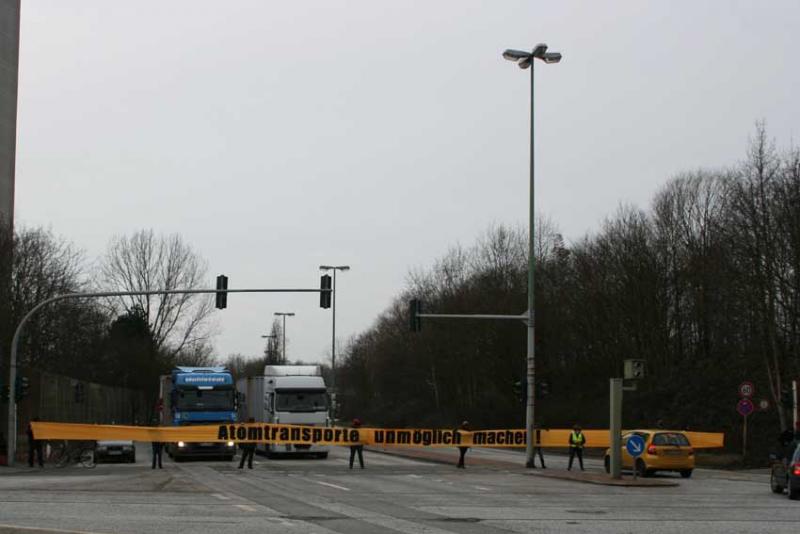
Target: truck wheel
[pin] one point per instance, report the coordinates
(775, 484)
(686, 473)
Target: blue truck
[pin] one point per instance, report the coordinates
(198, 396)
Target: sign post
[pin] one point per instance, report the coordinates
(635, 447)
(745, 407)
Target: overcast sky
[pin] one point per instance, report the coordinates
(278, 136)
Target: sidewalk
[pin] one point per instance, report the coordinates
(450, 456)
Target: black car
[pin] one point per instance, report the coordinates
(785, 474)
(115, 450)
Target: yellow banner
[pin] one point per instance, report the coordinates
(336, 436)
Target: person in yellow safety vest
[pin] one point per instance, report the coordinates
(576, 442)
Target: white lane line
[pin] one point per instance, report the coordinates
(481, 488)
(415, 476)
(245, 507)
(332, 485)
(20, 528)
(220, 496)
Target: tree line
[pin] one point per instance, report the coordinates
(122, 341)
(704, 285)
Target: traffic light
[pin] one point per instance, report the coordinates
(21, 388)
(325, 296)
(222, 296)
(414, 309)
(542, 389)
(80, 393)
(521, 390)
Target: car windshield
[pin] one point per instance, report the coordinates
(301, 401)
(196, 400)
(670, 438)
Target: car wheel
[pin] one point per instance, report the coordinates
(686, 473)
(775, 483)
(641, 469)
(607, 464)
(794, 491)
(322, 456)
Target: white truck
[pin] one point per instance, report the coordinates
(287, 394)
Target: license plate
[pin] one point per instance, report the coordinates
(114, 453)
(207, 444)
(673, 453)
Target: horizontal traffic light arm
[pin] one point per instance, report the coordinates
(12, 416)
(523, 317)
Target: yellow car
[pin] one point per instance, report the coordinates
(664, 450)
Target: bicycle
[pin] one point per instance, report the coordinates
(63, 453)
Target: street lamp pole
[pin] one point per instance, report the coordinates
(525, 60)
(334, 268)
(284, 315)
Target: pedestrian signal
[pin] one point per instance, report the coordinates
(80, 393)
(21, 387)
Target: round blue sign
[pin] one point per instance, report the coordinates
(635, 445)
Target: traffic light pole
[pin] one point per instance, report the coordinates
(11, 448)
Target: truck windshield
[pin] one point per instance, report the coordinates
(195, 400)
(301, 401)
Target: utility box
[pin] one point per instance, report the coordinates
(634, 369)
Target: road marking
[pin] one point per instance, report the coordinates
(245, 507)
(415, 476)
(481, 488)
(220, 496)
(45, 529)
(332, 485)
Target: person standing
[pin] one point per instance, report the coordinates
(357, 449)
(576, 443)
(157, 448)
(34, 445)
(248, 451)
(538, 447)
(462, 451)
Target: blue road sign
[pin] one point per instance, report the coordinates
(635, 445)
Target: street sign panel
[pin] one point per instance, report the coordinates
(747, 389)
(745, 407)
(635, 446)
(763, 404)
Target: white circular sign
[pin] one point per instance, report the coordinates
(746, 389)
(763, 404)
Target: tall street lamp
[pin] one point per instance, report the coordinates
(525, 60)
(334, 268)
(284, 315)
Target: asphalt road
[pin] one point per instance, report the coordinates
(392, 494)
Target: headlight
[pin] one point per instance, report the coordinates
(181, 444)
(230, 444)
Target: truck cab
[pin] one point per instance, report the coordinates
(197, 396)
(287, 394)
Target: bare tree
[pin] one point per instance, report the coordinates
(145, 261)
